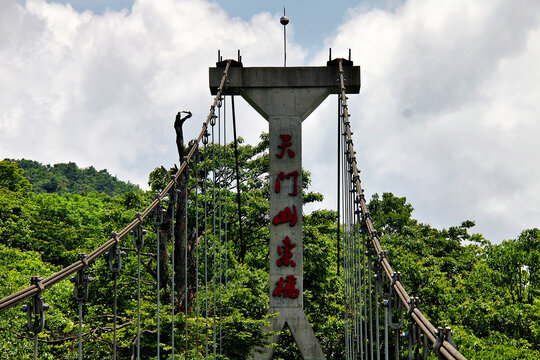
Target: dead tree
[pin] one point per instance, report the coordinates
(180, 231)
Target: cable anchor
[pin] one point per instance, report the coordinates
(159, 213)
(395, 303)
(138, 234)
(35, 311)
(414, 303)
(440, 334)
(81, 280)
(115, 255)
(205, 135)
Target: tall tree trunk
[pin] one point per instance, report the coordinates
(180, 232)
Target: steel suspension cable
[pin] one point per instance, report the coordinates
(158, 222)
(220, 180)
(347, 257)
(197, 257)
(226, 186)
(354, 264)
(114, 314)
(446, 349)
(227, 208)
(350, 275)
(214, 237)
(173, 198)
(138, 238)
(238, 197)
(206, 248)
(220, 190)
(186, 279)
(339, 152)
(115, 265)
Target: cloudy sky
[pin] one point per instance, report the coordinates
(448, 114)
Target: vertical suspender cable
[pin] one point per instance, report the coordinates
(158, 222)
(173, 199)
(220, 190)
(138, 236)
(338, 235)
(115, 305)
(377, 330)
(386, 306)
(238, 199)
(355, 264)
(214, 240)
(226, 210)
(364, 286)
(370, 307)
(138, 304)
(339, 187)
(80, 330)
(219, 177)
(226, 244)
(206, 252)
(346, 248)
(348, 252)
(186, 259)
(352, 273)
(359, 279)
(115, 255)
(197, 256)
(35, 345)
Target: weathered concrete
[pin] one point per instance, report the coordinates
(285, 97)
(318, 81)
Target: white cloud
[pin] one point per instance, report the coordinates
(103, 90)
(447, 114)
(448, 110)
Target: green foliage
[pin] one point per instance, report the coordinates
(69, 178)
(487, 292)
(11, 177)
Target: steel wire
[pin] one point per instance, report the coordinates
(185, 264)
(197, 258)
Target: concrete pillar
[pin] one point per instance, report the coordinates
(285, 97)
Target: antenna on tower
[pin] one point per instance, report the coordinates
(284, 21)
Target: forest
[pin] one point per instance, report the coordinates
(486, 292)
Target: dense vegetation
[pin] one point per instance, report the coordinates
(68, 178)
(487, 292)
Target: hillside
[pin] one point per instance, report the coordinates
(69, 178)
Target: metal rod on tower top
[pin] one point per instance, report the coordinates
(284, 21)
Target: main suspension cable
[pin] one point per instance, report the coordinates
(446, 349)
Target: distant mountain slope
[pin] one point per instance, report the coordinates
(69, 178)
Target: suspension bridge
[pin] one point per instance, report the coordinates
(381, 320)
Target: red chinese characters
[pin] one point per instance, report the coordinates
(285, 143)
(286, 287)
(281, 176)
(286, 216)
(286, 254)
